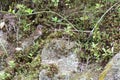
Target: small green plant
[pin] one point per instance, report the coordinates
(56, 20)
(55, 2)
(26, 26)
(11, 10)
(67, 3)
(96, 35)
(107, 52)
(97, 6)
(95, 51)
(4, 75)
(35, 48)
(11, 64)
(68, 30)
(118, 10)
(85, 17)
(22, 9)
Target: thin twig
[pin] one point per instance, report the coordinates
(17, 33)
(54, 13)
(47, 12)
(96, 25)
(86, 31)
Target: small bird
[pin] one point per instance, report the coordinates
(37, 32)
(35, 35)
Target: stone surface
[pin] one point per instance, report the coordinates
(57, 49)
(65, 65)
(3, 47)
(61, 54)
(3, 40)
(112, 69)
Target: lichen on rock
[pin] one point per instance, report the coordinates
(112, 69)
(60, 53)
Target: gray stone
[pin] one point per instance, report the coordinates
(3, 40)
(112, 69)
(114, 72)
(3, 48)
(59, 52)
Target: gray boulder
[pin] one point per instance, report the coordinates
(61, 54)
(63, 64)
(3, 48)
(112, 69)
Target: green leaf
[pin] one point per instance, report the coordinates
(11, 64)
(98, 6)
(119, 10)
(53, 0)
(84, 18)
(29, 11)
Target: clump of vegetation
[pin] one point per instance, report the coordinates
(52, 70)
